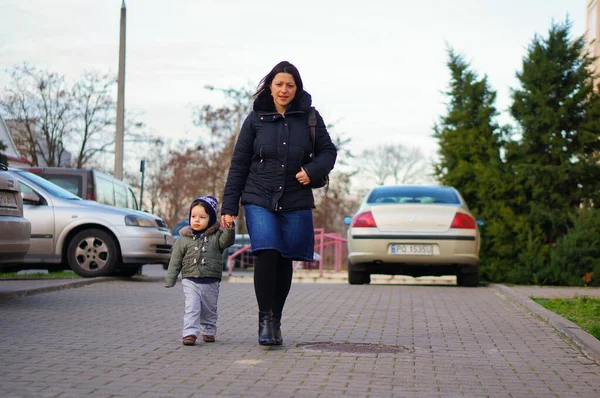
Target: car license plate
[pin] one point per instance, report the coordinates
(413, 250)
(7, 199)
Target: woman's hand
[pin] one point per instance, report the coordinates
(303, 177)
(227, 220)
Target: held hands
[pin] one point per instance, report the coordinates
(303, 177)
(227, 220)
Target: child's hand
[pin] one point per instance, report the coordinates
(227, 220)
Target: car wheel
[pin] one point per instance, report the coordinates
(356, 277)
(92, 252)
(467, 280)
(366, 278)
(57, 268)
(12, 268)
(128, 272)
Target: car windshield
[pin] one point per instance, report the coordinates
(413, 194)
(46, 185)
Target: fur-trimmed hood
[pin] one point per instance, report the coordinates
(187, 231)
(300, 103)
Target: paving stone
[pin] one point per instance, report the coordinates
(123, 338)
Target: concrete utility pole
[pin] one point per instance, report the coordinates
(121, 98)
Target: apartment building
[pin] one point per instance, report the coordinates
(593, 30)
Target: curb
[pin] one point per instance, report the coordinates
(342, 278)
(64, 284)
(585, 341)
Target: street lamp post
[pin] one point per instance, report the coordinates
(121, 97)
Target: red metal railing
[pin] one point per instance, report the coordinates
(329, 246)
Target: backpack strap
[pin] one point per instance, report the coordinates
(312, 122)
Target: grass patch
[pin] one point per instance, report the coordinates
(39, 275)
(581, 310)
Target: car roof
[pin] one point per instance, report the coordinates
(411, 187)
(403, 194)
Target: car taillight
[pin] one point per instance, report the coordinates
(463, 221)
(363, 220)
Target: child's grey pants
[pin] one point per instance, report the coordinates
(200, 307)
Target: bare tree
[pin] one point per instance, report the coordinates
(48, 119)
(394, 163)
(155, 170)
(38, 105)
(218, 148)
(94, 115)
(223, 124)
(338, 201)
(182, 180)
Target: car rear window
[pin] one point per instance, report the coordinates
(70, 183)
(407, 195)
(47, 185)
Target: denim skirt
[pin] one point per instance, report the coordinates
(289, 232)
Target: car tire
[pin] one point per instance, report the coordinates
(366, 278)
(128, 272)
(467, 280)
(356, 277)
(7, 269)
(57, 268)
(92, 253)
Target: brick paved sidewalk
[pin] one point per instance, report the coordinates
(122, 338)
(523, 294)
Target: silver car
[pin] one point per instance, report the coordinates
(93, 239)
(14, 228)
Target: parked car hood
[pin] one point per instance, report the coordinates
(112, 209)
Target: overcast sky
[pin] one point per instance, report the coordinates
(374, 68)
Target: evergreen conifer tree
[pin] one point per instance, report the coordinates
(469, 160)
(555, 158)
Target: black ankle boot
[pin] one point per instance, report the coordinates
(277, 329)
(265, 329)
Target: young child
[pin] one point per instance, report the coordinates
(198, 255)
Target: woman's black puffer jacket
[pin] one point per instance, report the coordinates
(270, 151)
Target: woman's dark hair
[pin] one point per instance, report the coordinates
(264, 87)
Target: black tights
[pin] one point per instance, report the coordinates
(272, 280)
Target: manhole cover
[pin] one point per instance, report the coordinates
(354, 348)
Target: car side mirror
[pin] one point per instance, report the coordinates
(30, 198)
(347, 220)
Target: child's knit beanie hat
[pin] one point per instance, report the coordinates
(213, 208)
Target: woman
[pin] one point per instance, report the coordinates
(271, 171)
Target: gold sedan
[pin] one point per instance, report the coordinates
(413, 230)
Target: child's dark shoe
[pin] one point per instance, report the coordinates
(208, 338)
(189, 340)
